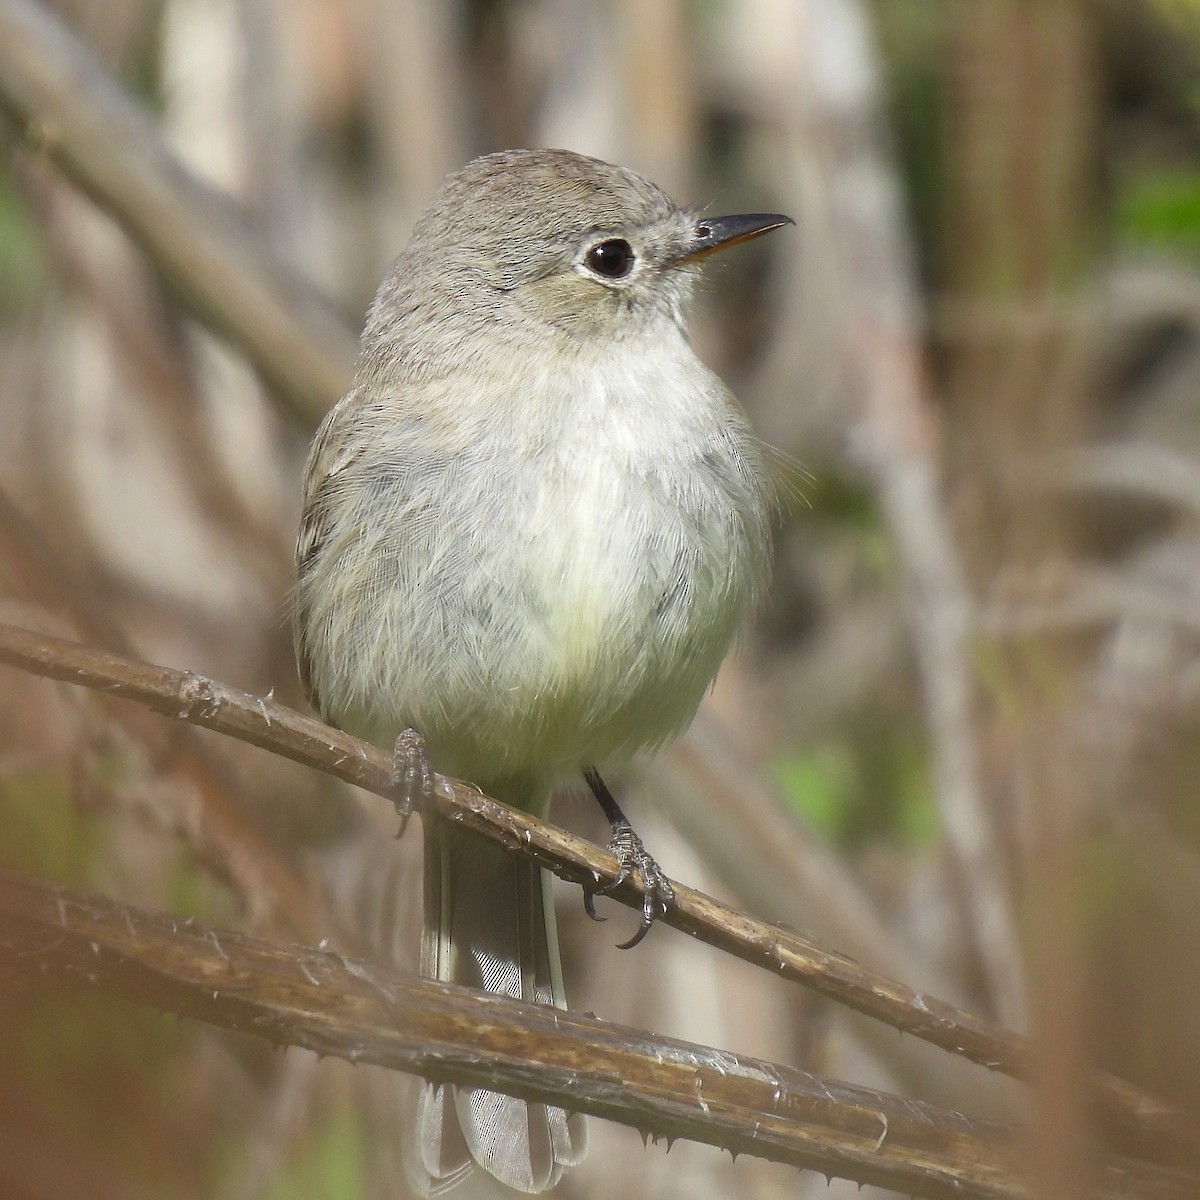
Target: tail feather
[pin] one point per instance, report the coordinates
(489, 924)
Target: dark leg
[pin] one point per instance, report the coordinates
(657, 892)
(412, 776)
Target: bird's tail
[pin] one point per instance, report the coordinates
(489, 924)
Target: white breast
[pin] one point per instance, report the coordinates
(552, 577)
(645, 542)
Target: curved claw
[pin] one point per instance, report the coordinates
(589, 903)
(657, 893)
(643, 929)
(623, 873)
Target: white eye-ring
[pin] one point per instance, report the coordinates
(613, 258)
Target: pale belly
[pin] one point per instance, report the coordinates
(578, 635)
(534, 611)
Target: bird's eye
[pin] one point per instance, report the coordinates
(612, 259)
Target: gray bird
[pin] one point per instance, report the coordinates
(531, 530)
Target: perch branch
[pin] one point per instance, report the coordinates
(261, 721)
(667, 1088)
(269, 882)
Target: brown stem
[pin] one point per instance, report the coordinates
(356, 1011)
(263, 722)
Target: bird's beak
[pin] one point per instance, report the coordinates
(711, 234)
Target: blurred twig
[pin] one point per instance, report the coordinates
(67, 107)
(116, 282)
(219, 824)
(263, 722)
(1141, 469)
(1022, 152)
(1087, 597)
(775, 865)
(895, 432)
(338, 1006)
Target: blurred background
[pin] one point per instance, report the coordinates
(961, 743)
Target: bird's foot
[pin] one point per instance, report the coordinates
(657, 892)
(412, 776)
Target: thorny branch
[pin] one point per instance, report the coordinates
(664, 1087)
(263, 722)
(70, 111)
(267, 879)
